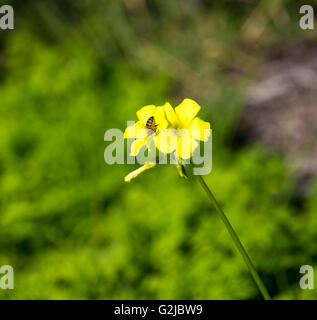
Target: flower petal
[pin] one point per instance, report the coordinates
(145, 113)
(135, 131)
(136, 172)
(171, 115)
(186, 144)
(187, 111)
(160, 118)
(166, 140)
(136, 146)
(199, 129)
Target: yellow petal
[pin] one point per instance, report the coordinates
(136, 146)
(187, 111)
(136, 131)
(199, 129)
(186, 145)
(160, 119)
(171, 115)
(166, 140)
(145, 113)
(136, 172)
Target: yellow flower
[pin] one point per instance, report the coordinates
(139, 131)
(176, 131)
(136, 172)
(183, 131)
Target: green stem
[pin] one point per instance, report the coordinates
(236, 241)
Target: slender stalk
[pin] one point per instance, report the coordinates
(236, 240)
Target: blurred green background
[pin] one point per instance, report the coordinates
(70, 226)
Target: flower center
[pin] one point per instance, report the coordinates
(179, 132)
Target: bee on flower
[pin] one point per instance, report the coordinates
(151, 119)
(174, 131)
